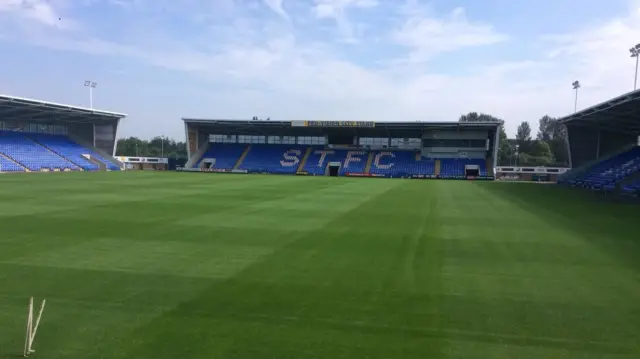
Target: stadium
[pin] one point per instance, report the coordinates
(266, 245)
(453, 150)
(44, 136)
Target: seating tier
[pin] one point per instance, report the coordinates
(605, 175)
(30, 154)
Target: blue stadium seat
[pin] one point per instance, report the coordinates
(632, 189)
(7, 165)
(354, 162)
(319, 158)
(281, 159)
(110, 165)
(455, 167)
(605, 175)
(351, 161)
(30, 154)
(65, 147)
(225, 154)
(400, 164)
(285, 159)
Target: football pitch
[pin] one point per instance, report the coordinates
(181, 265)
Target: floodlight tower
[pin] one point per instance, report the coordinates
(635, 52)
(91, 85)
(576, 86)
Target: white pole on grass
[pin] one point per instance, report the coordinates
(27, 338)
(31, 329)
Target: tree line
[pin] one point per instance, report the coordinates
(156, 147)
(548, 148)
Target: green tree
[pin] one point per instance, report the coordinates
(523, 137)
(156, 147)
(128, 146)
(540, 153)
(546, 126)
(478, 117)
(554, 133)
(540, 149)
(523, 133)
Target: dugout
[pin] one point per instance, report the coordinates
(604, 129)
(90, 128)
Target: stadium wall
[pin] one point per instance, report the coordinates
(191, 133)
(194, 157)
(82, 131)
(203, 138)
(453, 152)
(144, 163)
(588, 144)
(104, 137)
(455, 135)
(535, 174)
(484, 137)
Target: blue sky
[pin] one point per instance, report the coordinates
(380, 60)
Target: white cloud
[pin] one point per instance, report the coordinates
(276, 6)
(268, 68)
(598, 56)
(337, 11)
(427, 35)
(8, 4)
(330, 8)
(40, 11)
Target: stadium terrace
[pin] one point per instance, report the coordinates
(603, 147)
(49, 137)
(454, 150)
(602, 143)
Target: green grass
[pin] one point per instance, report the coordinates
(168, 265)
